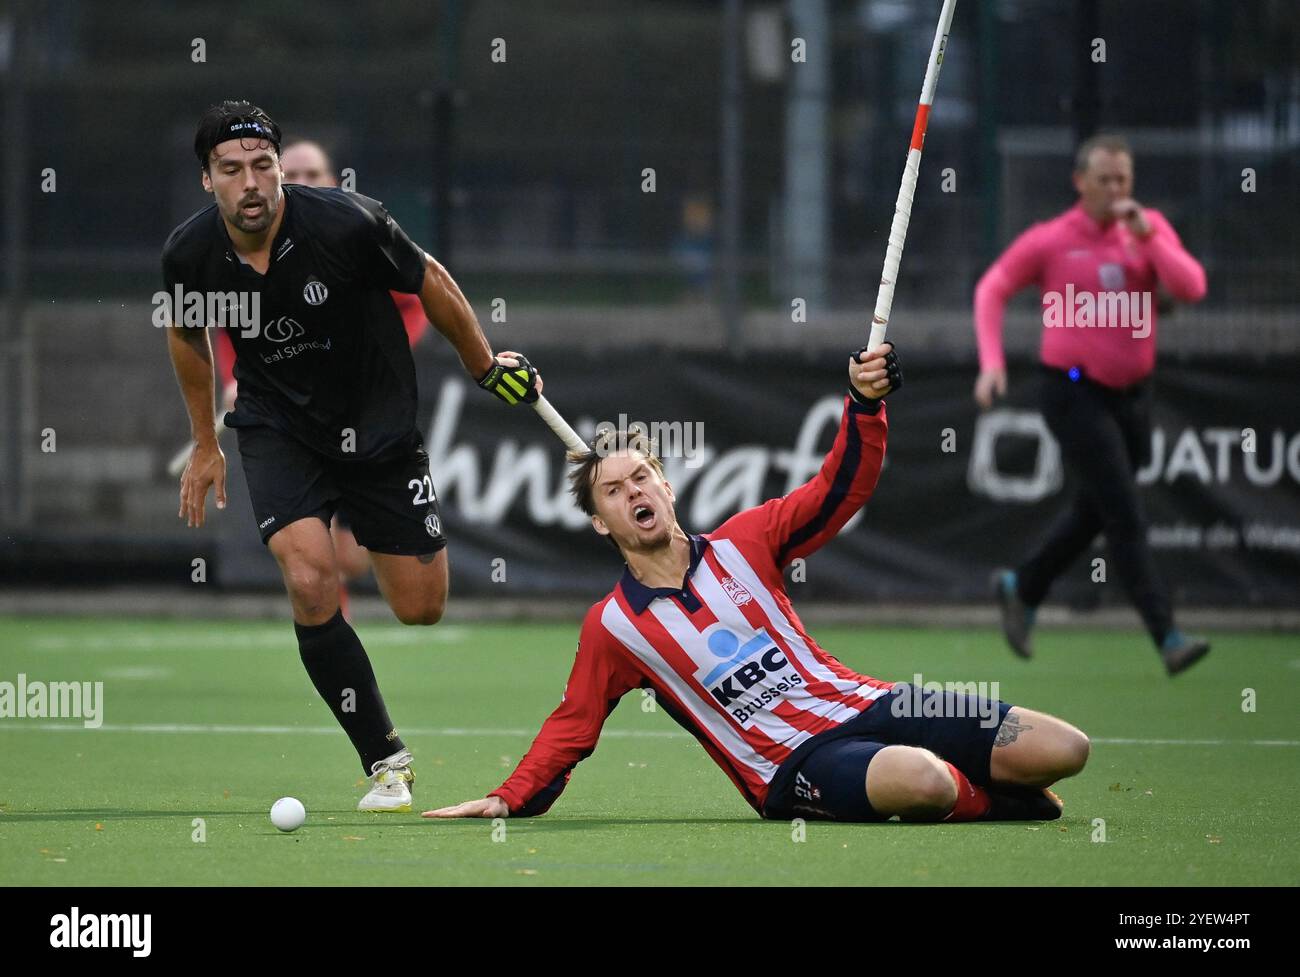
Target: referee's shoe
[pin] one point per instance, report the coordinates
(1017, 616)
(1180, 652)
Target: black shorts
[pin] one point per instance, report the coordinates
(390, 505)
(826, 777)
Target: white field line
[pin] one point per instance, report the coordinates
(167, 728)
(200, 640)
(164, 728)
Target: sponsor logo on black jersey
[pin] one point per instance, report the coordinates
(283, 329)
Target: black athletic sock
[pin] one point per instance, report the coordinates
(340, 670)
(1011, 803)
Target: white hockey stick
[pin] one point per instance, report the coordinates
(560, 426)
(903, 208)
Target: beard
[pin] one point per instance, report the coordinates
(258, 223)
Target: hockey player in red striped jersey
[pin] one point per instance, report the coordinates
(706, 623)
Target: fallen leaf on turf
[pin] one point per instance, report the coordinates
(526, 871)
(353, 838)
(98, 826)
(532, 851)
(1213, 839)
(1147, 792)
(226, 792)
(1065, 829)
(1115, 787)
(361, 781)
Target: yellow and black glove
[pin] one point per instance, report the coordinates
(512, 384)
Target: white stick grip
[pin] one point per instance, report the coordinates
(559, 425)
(894, 250)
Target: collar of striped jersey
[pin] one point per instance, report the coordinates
(639, 596)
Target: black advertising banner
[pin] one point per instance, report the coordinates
(961, 493)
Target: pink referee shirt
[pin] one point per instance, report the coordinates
(1082, 268)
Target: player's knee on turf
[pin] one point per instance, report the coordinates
(1051, 751)
(1073, 751)
(1064, 755)
(910, 782)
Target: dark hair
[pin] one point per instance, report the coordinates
(216, 120)
(586, 464)
(1107, 141)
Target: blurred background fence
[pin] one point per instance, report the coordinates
(627, 177)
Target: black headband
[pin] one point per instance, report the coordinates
(243, 127)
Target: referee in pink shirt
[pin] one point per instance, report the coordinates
(1097, 267)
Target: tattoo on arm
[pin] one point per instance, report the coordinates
(1011, 728)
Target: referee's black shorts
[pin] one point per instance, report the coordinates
(391, 504)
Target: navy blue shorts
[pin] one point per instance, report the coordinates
(826, 777)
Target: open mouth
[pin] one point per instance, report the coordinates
(644, 516)
(252, 208)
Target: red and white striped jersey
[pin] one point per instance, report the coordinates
(726, 655)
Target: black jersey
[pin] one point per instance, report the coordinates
(325, 359)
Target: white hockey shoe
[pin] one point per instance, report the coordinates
(390, 788)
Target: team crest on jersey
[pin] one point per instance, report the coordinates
(315, 292)
(1111, 276)
(736, 591)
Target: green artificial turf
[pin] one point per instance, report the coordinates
(191, 710)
